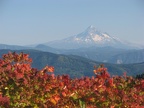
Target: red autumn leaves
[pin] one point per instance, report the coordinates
(48, 69)
(24, 86)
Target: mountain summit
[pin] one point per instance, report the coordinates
(90, 37)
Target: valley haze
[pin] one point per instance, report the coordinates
(92, 44)
(77, 54)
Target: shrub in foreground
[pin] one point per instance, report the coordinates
(22, 86)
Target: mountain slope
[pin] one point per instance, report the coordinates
(109, 54)
(75, 66)
(43, 47)
(132, 56)
(102, 54)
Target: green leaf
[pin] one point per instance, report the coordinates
(82, 104)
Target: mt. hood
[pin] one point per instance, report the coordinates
(90, 37)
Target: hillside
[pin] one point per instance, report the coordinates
(75, 66)
(127, 57)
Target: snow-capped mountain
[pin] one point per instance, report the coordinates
(90, 37)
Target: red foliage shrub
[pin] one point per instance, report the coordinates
(22, 86)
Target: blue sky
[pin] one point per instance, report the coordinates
(25, 22)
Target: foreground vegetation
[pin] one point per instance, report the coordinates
(22, 86)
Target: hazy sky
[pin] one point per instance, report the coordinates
(24, 22)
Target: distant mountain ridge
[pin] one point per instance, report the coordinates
(13, 47)
(91, 44)
(88, 38)
(127, 57)
(75, 66)
(100, 54)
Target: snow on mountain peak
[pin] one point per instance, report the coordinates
(91, 27)
(90, 37)
(91, 30)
